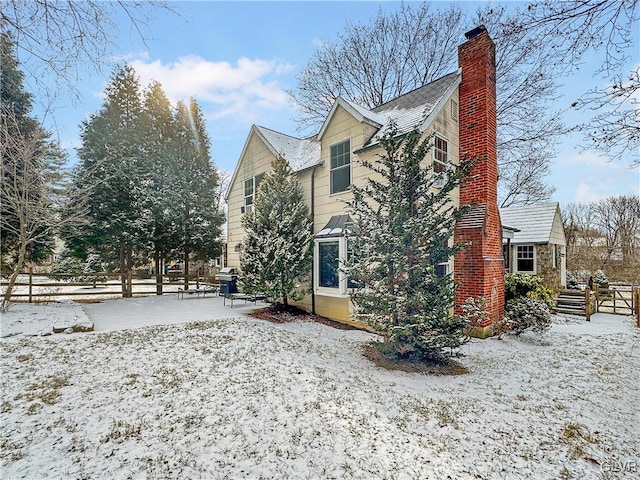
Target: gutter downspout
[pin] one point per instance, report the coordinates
(313, 219)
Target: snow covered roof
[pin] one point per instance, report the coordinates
(301, 153)
(534, 222)
(416, 109)
(335, 226)
(413, 110)
(359, 112)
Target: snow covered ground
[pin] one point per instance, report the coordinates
(169, 388)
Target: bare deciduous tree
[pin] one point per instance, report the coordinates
(615, 130)
(224, 182)
(576, 28)
(395, 53)
(64, 37)
(372, 64)
(30, 192)
(604, 235)
(618, 218)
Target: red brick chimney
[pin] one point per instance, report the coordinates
(479, 268)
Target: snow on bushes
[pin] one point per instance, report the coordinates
(572, 282)
(524, 313)
(528, 303)
(522, 284)
(600, 278)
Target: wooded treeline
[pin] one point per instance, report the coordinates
(144, 188)
(604, 235)
(150, 180)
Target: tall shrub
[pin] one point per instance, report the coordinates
(276, 252)
(405, 223)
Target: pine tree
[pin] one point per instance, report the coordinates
(199, 218)
(113, 167)
(404, 228)
(276, 252)
(162, 196)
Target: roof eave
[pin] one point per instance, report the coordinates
(254, 128)
(352, 111)
(441, 103)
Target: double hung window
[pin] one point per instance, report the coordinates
(340, 166)
(440, 160)
(250, 189)
(525, 256)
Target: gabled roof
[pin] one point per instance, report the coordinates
(358, 112)
(534, 222)
(418, 108)
(301, 153)
(413, 110)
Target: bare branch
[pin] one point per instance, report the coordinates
(64, 37)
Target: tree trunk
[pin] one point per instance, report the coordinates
(22, 253)
(158, 273)
(129, 271)
(123, 272)
(186, 269)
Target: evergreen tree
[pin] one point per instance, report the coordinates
(276, 252)
(404, 226)
(162, 196)
(114, 168)
(32, 189)
(199, 218)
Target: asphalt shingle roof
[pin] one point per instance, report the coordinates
(535, 222)
(410, 110)
(301, 153)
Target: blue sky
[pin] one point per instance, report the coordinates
(238, 59)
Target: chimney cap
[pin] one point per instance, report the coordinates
(475, 32)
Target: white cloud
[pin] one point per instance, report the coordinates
(591, 158)
(239, 91)
(585, 194)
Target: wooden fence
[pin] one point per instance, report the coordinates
(621, 300)
(42, 287)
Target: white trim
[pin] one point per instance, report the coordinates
(245, 196)
(441, 103)
(254, 129)
(341, 290)
(515, 258)
(348, 139)
(354, 110)
(440, 182)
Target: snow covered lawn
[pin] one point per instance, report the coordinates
(169, 388)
